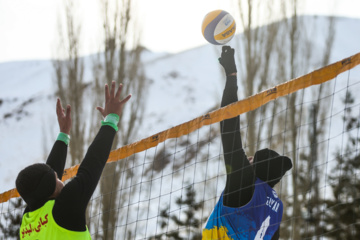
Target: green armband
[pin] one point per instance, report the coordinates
(64, 138)
(111, 120)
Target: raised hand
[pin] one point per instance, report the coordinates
(227, 60)
(64, 118)
(113, 104)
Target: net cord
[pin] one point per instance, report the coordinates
(316, 77)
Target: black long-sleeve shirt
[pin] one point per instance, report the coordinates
(240, 182)
(70, 206)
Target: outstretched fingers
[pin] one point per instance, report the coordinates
(112, 90)
(101, 110)
(107, 93)
(68, 112)
(64, 117)
(118, 92)
(58, 107)
(126, 99)
(113, 103)
(60, 111)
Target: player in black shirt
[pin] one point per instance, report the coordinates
(242, 171)
(39, 183)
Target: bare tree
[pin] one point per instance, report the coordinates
(121, 62)
(304, 173)
(256, 49)
(69, 75)
(286, 46)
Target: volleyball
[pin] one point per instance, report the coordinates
(218, 27)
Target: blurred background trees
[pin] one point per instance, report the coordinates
(287, 47)
(119, 60)
(267, 54)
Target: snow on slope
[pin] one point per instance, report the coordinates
(182, 87)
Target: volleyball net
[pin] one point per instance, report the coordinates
(167, 184)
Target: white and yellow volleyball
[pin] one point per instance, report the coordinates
(218, 27)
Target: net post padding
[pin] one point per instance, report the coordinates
(248, 104)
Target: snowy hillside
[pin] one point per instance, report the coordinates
(182, 87)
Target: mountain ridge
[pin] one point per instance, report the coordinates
(182, 87)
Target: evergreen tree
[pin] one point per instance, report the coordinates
(187, 228)
(11, 226)
(343, 211)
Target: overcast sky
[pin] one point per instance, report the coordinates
(28, 28)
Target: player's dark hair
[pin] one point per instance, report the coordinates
(36, 183)
(270, 167)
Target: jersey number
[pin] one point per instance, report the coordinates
(264, 226)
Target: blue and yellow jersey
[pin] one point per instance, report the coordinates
(259, 219)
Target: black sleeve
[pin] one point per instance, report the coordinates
(70, 206)
(240, 180)
(57, 157)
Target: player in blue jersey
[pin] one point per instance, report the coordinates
(249, 207)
